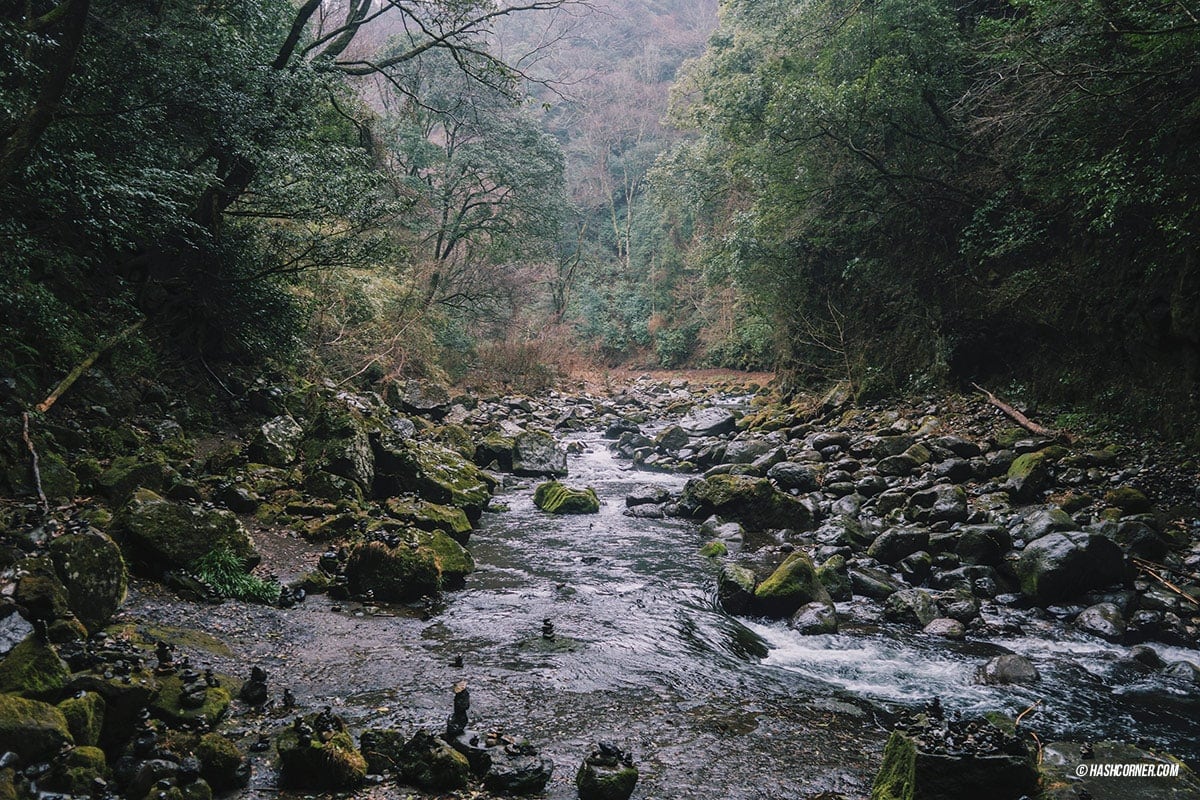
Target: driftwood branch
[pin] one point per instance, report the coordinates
(37, 472)
(1152, 569)
(1019, 418)
(84, 366)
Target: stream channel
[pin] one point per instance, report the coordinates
(712, 706)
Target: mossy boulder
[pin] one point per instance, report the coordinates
(58, 481)
(453, 560)
(124, 699)
(393, 574)
(793, 584)
(92, 569)
(1029, 473)
(85, 717)
(382, 748)
(714, 549)
(605, 782)
(33, 669)
(910, 773)
(735, 588)
(536, 454)
(754, 502)
(32, 729)
(1128, 499)
(76, 771)
(276, 442)
(1062, 565)
(8, 784)
(556, 498)
(333, 488)
(429, 763)
(128, 473)
(160, 534)
(222, 765)
(169, 703)
(436, 473)
(495, 448)
(40, 591)
(430, 516)
(835, 577)
(310, 763)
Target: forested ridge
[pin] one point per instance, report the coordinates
(896, 195)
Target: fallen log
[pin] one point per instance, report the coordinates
(1019, 418)
(84, 366)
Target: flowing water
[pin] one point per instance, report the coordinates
(712, 706)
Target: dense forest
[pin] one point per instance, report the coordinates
(896, 195)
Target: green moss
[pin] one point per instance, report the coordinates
(87, 470)
(430, 516)
(77, 770)
(794, 583)
(31, 729)
(168, 705)
(555, 498)
(714, 549)
(58, 481)
(93, 571)
(161, 533)
(605, 783)
(1128, 499)
(33, 669)
(433, 765)
(127, 474)
(394, 574)
(8, 784)
(335, 765)
(896, 778)
(40, 592)
(221, 763)
(754, 502)
(85, 717)
(453, 560)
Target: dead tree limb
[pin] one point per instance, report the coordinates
(1019, 418)
(84, 366)
(1149, 567)
(37, 472)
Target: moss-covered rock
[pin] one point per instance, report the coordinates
(393, 574)
(754, 502)
(437, 473)
(1061, 565)
(39, 590)
(714, 549)
(159, 533)
(339, 442)
(92, 569)
(910, 773)
(430, 516)
(58, 481)
(735, 588)
(8, 784)
(32, 729)
(835, 577)
(605, 782)
(555, 498)
(76, 771)
(85, 717)
(453, 560)
(1128, 499)
(169, 704)
(897, 774)
(276, 442)
(1028, 474)
(793, 584)
(429, 763)
(222, 765)
(127, 474)
(33, 669)
(382, 748)
(124, 699)
(495, 448)
(309, 763)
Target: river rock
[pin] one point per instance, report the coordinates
(790, 475)
(430, 517)
(709, 422)
(435, 472)
(1029, 474)
(815, 618)
(913, 606)
(735, 588)
(424, 398)
(982, 544)
(1103, 620)
(607, 773)
(33, 669)
(754, 502)
(896, 543)
(517, 770)
(874, 583)
(940, 503)
(222, 765)
(835, 577)
(946, 628)
(1062, 565)
(92, 570)
(277, 442)
(429, 763)
(670, 439)
(1062, 763)
(159, 533)
(1008, 668)
(556, 498)
(537, 455)
(793, 584)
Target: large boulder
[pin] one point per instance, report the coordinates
(92, 570)
(435, 472)
(277, 442)
(607, 773)
(430, 516)
(159, 534)
(424, 398)
(537, 455)
(221, 764)
(1062, 565)
(1104, 620)
(735, 588)
(33, 669)
(1006, 669)
(84, 713)
(914, 606)
(754, 502)
(393, 573)
(913, 769)
(1029, 474)
(555, 498)
(33, 730)
(708, 422)
(793, 584)
(429, 763)
(897, 543)
(317, 763)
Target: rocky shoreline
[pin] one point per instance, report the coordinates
(938, 516)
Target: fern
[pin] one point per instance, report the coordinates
(225, 571)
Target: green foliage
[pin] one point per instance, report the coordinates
(225, 571)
